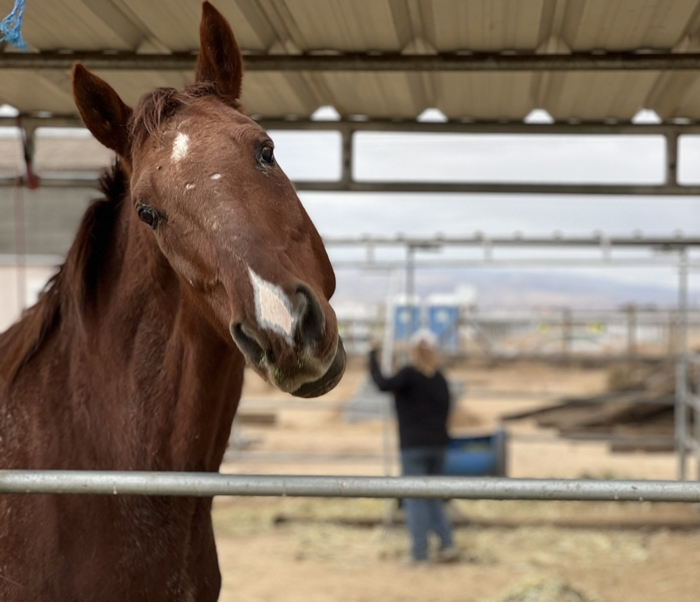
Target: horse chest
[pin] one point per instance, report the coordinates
(111, 549)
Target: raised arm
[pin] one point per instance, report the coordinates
(393, 383)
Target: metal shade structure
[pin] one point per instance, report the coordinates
(481, 60)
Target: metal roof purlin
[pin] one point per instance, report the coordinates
(370, 62)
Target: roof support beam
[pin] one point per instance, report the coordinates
(448, 127)
(465, 62)
(90, 181)
(435, 242)
(347, 183)
(485, 127)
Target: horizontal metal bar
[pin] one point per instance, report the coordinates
(436, 187)
(501, 188)
(479, 240)
(375, 62)
(572, 128)
(569, 263)
(54, 182)
(207, 484)
(412, 126)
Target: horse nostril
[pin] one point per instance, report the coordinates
(249, 345)
(311, 319)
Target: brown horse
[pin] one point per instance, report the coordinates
(199, 258)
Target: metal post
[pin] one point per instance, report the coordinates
(696, 415)
(672, 159)
(347, 149)
(631, 331)
(410, 292)
(386, 365)
(20, 249)
(681, 417)
(567, 332)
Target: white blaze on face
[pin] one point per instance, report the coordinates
(272, 307)
(180, 146)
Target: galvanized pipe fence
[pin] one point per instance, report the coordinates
(215, 484)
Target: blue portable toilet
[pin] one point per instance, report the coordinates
(443, 322)
(406, 317)
(443, 315)
(406, 321)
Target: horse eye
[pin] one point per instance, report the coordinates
(148, 215)
(267, 155)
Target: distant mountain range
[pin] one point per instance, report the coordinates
(504, 289)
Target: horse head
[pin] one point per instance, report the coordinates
(205, 184)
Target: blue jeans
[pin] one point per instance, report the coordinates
(423, 516)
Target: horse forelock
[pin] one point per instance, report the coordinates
(68, 292)
(157, 107)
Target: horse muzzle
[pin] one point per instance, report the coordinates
(329, 380)
(306, 361)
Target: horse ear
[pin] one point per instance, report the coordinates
(219, 60)
(101, 110)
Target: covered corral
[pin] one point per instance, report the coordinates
(532, 165)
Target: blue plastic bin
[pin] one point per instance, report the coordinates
(477, 456)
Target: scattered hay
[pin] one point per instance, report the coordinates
(547, 590)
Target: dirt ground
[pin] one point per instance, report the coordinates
(510, 551)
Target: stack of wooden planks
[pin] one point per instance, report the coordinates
(637, 416)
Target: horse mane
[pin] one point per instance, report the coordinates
(156, 108)
(74, 286)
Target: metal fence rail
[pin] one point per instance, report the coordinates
(207, 484)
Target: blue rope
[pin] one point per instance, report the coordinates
(10, 26)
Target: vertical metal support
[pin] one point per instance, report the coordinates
(671, 159)
(681, 417)
(605, 247)
(387, 367)
(567, 333)
(31, 181)
(696, 415)
(346, 176)
(631, 332)
(411, 282)
(20, 248)
(488, 250)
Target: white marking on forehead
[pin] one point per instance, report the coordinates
(180, 146)
(215, 176)
(189, 185)
(272, 307)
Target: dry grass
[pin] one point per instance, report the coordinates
(322, 560)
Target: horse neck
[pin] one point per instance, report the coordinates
(175, 382)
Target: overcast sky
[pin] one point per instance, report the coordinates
(501, 158)
(416, 157)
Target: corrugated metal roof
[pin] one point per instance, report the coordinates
(409, 26)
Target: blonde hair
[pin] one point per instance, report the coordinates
(424, 358)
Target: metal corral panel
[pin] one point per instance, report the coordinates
(407, 26)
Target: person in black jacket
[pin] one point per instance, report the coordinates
(422, 400)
